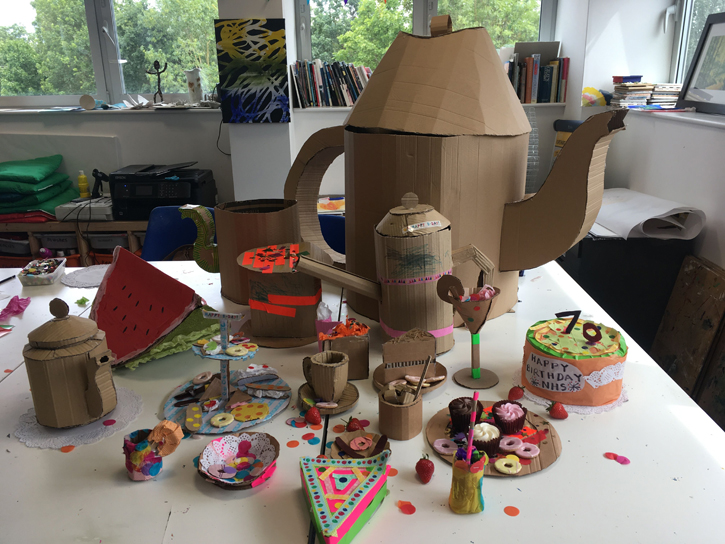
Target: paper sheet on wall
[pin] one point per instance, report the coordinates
(635, 215)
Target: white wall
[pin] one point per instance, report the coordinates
(143, 137)
(660, 155)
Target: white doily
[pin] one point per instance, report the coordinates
(608, 374)
(34, 435)
(573, 408)
(222, 451)
(90, 276)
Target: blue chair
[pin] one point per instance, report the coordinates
(333, 231)
(167, 232)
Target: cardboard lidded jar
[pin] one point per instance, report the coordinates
(69, 370)
(412, 252)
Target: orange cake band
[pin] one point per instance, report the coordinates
(587, 395)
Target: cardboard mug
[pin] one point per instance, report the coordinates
(142, 460)
(400, 421)
(326, 372)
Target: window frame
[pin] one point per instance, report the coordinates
(423, 10)
(106, 60)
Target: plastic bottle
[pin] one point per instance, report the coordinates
(83, 185)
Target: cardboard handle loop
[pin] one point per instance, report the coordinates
(440, 25)
(306, 366)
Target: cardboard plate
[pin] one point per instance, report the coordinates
(269, 342)
(349, 399)
(440, 369)
(335, 452)
(177, 414)
(550, 447)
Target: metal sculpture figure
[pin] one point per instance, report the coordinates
(158, 73)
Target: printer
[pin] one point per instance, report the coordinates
(138, 189)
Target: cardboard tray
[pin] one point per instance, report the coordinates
(348, 400)
(347, 436)
(439, 369)
(550, 447)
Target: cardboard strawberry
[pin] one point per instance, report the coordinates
(425, 468)
(516, 392)
(313, 417)
(557, 410)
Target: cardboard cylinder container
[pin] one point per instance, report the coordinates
(249, 224)
(412, 252)
(69, 370)
(400, 421)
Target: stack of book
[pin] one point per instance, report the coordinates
(627, 95)
(322, 84)
(536, 84)
(665, 95)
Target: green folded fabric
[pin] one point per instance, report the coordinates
(22, 188)
(30, 171)
(48, 205)
(193, 328)
(37, 198)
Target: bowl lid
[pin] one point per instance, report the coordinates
(412, 219)
(63, 330)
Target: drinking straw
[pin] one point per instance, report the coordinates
(470, 430)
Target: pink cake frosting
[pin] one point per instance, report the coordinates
(509, 412)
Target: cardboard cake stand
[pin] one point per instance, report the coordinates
(549, 443)
(474, 314)
(351, 441)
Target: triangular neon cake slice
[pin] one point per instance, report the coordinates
(343, 493)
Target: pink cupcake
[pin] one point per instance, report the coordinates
(509, 415)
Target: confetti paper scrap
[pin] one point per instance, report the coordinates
(109, 422)
(392, 472)
(621, 459)
(314, 441)
(512, 511)
(308, 436)
(406, 507)
(82, 301)
(316, 427)
(339, 429)
(293, 444)
(67, 449)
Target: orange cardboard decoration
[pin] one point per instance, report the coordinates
(167, 435)
(69, 370)
(549, 445)
(400, 421)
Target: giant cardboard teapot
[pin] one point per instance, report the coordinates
(440, 118)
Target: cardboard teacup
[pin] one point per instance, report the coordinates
(326, 372)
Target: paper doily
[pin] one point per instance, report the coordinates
(576, 409)
(34, 435)
(90, 276)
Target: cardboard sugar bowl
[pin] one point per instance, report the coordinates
(69, 370)
(401, 409)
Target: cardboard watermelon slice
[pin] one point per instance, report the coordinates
(137, 305)
(343, 493)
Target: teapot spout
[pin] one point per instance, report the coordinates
(568, 202)
(206, 253)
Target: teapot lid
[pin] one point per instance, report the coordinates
(412, 219)
(63, 330)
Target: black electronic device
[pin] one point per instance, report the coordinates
(139, 188)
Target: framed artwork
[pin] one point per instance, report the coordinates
(704, 87)
(252, 56)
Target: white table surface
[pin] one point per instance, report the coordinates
(671, 492)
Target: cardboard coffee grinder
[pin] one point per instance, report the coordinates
(69, 370)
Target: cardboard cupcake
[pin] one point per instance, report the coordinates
(509, 416)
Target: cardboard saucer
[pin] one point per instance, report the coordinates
(349, 398)
(550, 446)
(440, 370)
(487, 380)
(274, 342)
(335, 452)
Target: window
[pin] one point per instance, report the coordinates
(53, 51)
(360, 31)
(691, 17)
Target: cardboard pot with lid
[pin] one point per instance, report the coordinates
(440, 118)
(69, 370)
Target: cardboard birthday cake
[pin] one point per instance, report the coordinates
(343, 493)
(574, 362)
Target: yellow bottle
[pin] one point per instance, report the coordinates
(83, 185)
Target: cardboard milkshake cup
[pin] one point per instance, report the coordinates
(400, 421)
(326, 372)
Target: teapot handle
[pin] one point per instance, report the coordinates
(306, 366)
(304, 180)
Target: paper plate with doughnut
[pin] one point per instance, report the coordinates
(358, 445)
(538, 444)
(441, 376)
(252, 410)
(239, 461)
